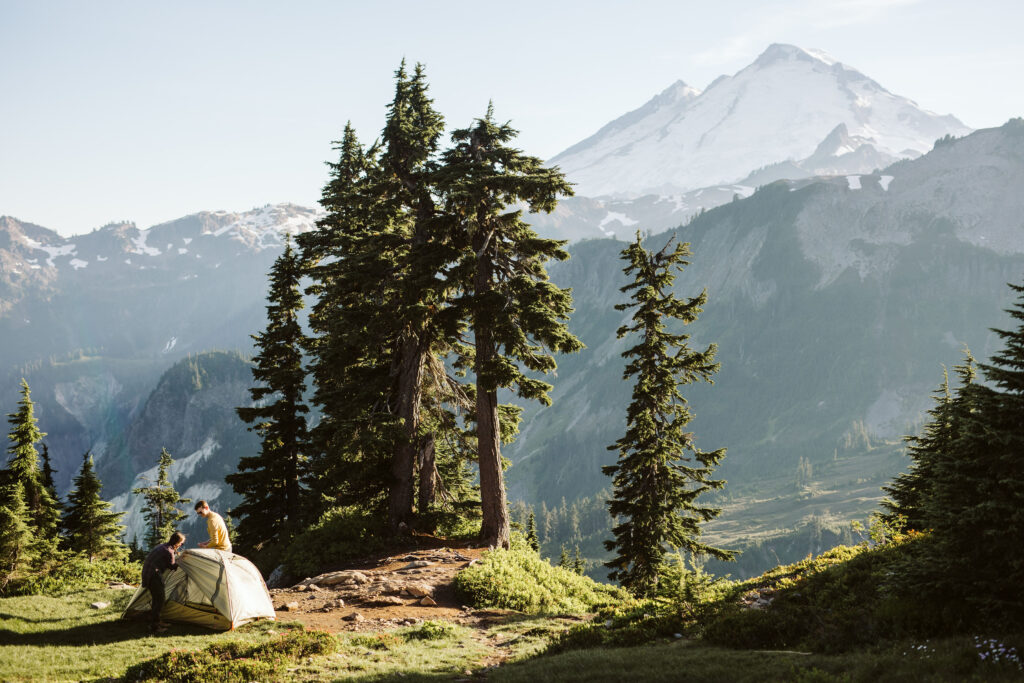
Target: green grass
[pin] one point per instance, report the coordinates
(63, 638)
(684, 660)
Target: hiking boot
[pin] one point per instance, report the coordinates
(158, 628)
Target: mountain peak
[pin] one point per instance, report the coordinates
(779, 109)
(783, 52)
(677, 92)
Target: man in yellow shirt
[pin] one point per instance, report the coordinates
(215, 526)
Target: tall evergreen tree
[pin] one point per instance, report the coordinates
(910, 492)
(90, 526)
(660, 472)
(976, 510)
(271, 483)
(531, 533)
(409, 144)
(48, 473)
(17, 550)
(160, 508)
(516, 315)
(23, 472)
(380, 327)
(347, 258)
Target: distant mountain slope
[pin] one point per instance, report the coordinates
(790, 105)
(834, 302)
(94, 320)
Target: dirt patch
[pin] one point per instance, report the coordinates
(383, 593)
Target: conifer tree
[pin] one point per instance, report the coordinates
(136, 553)
(90, 527)
(577, 561)
(271, 483)
(563, 559)
(976, 510)
(23, 472)
(531, 533)
(48, 473)
(347, 257)
(17, 550)
(160, 508)
(516, 315)
(910, 492)
(376, 315)
(660, 472)
(409, 144)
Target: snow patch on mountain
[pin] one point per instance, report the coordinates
(263, 228)
(139, 242)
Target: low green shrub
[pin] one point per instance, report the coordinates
(340, 534)
(235, 662)
(70, 573)
(519, 579)
(375, 641)
(431, 630)
(628, 628)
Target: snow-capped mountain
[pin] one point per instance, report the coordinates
(791, 106)
(33, 248)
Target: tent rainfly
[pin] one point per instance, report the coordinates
(212, 588)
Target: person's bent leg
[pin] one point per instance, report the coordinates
(156, 591)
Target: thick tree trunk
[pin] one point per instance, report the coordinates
(410, 382)
(428, 471)
(494, 529)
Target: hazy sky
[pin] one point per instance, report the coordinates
(150, 111)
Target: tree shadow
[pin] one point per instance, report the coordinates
(5, 617)
(116, 630)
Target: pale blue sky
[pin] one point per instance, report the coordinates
(150, 111)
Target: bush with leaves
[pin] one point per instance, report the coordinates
(519, 579)
(342, 533)
(71, 573)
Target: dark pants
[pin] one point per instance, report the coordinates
(156, 590)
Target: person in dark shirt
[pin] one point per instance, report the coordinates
(159, 560)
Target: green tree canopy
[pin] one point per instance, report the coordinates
(90, 526)
(271, 483)
(516, 315)
(161, 501)
(23, 473)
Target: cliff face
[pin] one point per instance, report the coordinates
(191, 413)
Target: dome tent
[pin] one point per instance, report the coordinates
(212, 588)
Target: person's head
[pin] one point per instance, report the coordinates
(202, 508)
(176, 540)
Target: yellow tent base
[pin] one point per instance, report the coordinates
(189, 613)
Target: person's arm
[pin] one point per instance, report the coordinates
(174, 560)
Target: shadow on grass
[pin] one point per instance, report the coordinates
(17, 617)
(114, 631)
